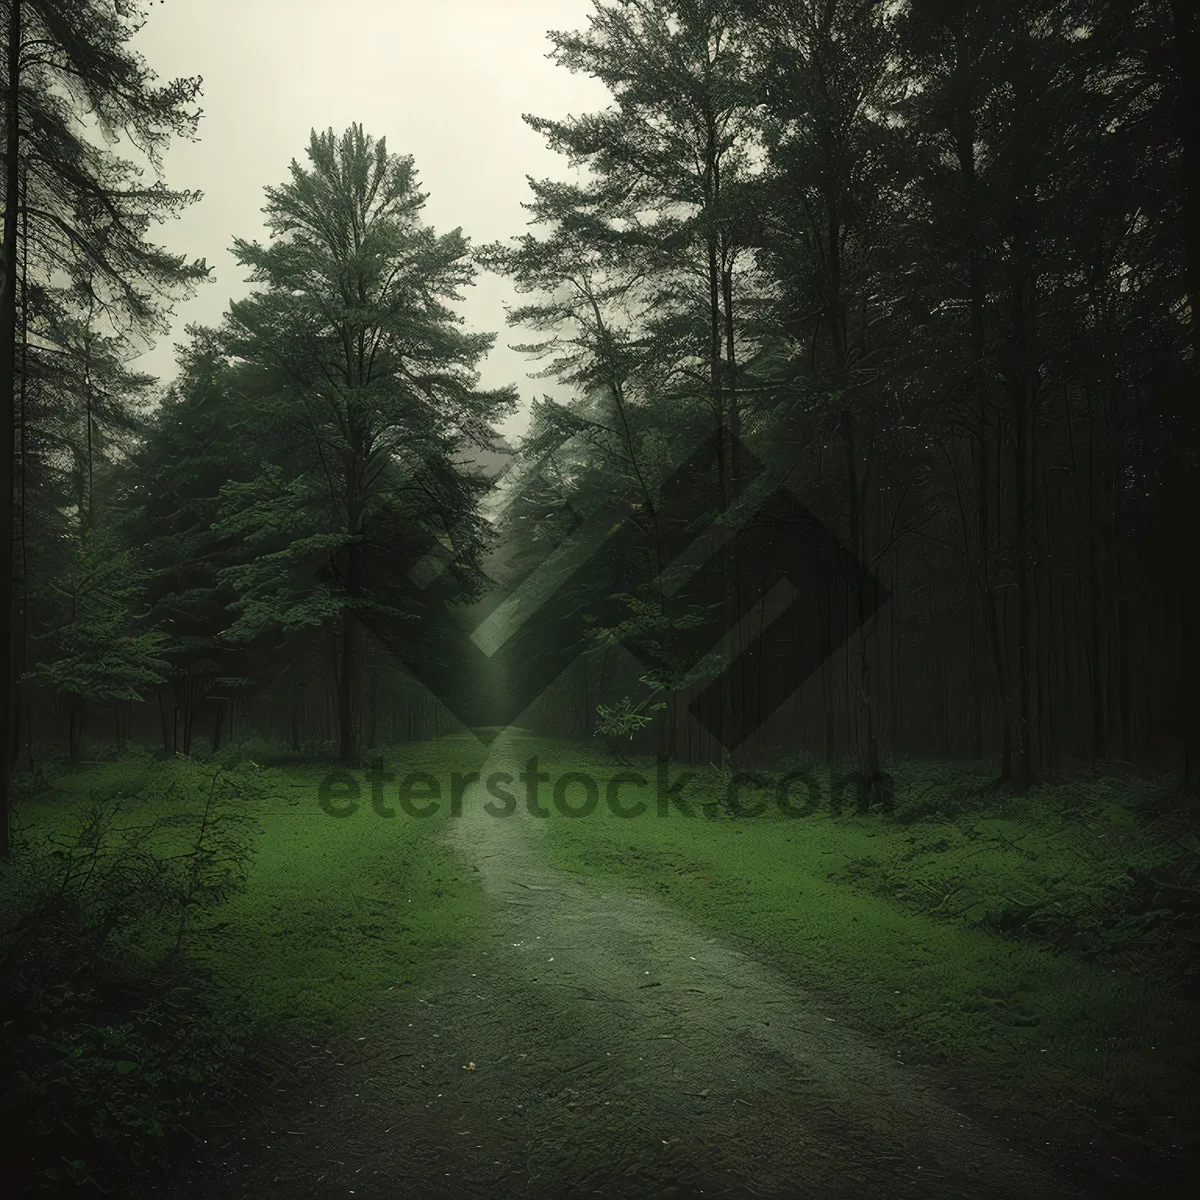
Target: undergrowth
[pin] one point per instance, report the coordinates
(1105, 868)
(110, 1036)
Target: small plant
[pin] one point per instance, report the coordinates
(624, 718)
(654, 634)
(721, 775)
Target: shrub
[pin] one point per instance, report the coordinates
(109, 1026)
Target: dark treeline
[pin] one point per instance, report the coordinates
(929, 265)
(928, 261)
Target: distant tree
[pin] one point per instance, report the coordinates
(167, 491)
(104, 653)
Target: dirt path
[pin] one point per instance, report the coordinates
(607, 1047)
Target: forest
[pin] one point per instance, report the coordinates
(879, 470)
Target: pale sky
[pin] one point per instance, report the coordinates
(443, 80)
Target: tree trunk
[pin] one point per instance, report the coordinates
(162, 715)
(347, 750)
(74, 727)
(897, 725)
(965, 135)
(1095, 646)
(189, 707)
(1022, 388)
(724, 493)
(374, 726)
(8, 376)
(1187, 53)
(1022, 403)
(1124, 664)
(827, 678)
(864, 720)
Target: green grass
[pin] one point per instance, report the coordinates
(889, 922)
(999, 938)
(333, 912)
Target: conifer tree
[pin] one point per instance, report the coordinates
(73, 207)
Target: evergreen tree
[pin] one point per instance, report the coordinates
(76, 208)
(359, 371)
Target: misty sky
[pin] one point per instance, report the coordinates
(443, 80)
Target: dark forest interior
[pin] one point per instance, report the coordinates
(880, 472)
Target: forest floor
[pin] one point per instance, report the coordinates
(483, 1006)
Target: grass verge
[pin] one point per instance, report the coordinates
(1006, 950)
(159, 945)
